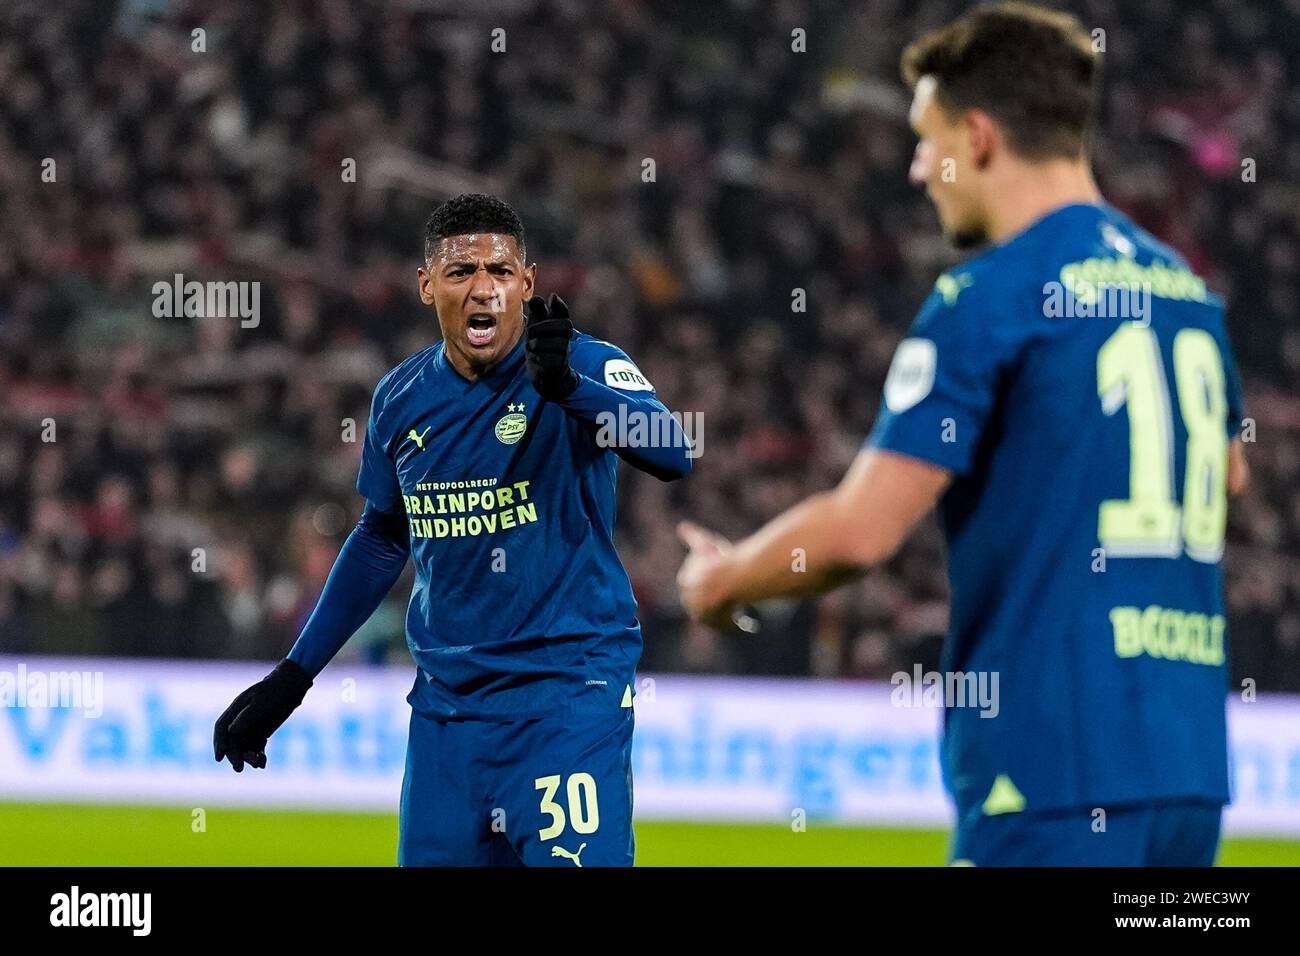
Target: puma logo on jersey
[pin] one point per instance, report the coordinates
(1004, 797)
(950, 286)
(418, 439)
(561, 851)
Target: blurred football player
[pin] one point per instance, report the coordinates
(1069, 401)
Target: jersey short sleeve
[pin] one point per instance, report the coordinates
(377, 478)
(943, 380)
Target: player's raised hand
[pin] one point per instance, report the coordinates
(242, 731)
(549, 334)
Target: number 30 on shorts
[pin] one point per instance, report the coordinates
(584, 810)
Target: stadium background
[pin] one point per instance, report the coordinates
(775, 171)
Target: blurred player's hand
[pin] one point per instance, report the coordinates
(549, 335)
(702, 578)
(242, 731)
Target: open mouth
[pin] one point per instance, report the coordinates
(481, 329)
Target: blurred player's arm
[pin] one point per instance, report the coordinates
(818, 544)
(941, 384)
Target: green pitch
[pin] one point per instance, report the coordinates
(75, 835)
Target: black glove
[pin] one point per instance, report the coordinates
(549, 333)
(257, 713)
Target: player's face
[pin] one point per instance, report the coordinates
(478, 284)
(944, 164)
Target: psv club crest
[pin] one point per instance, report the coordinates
(511, 426)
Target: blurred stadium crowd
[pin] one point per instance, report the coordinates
(200, 482)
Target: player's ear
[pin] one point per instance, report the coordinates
(981, 135)
(425, 280)
(530, 280)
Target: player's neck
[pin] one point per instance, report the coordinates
(471, 372)
(1033, 190)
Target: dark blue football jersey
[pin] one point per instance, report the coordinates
(1078, 383)
(521, 606)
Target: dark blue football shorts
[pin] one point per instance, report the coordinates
(551, 791)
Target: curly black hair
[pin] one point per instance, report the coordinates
(471, 212)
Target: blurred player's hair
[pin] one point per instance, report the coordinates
(468, 213)
(1033, 70)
